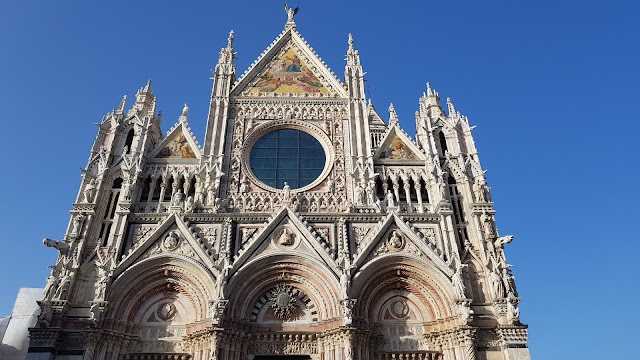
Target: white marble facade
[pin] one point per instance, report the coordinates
(305, 225)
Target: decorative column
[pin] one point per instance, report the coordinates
(152, 188)
(407, 192)
(163, 187)
(418, 190)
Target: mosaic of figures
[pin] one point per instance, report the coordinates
(177, 148)
(398, 150)
(288, 74)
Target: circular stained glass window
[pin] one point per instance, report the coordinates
(287, 155)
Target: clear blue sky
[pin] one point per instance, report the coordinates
(552, 87)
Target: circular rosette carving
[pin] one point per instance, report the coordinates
(283, 301)
(399, 309)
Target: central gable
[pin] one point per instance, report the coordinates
(289, 67)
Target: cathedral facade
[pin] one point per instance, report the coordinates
(305, 227)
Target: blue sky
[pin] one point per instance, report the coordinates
(551, 85)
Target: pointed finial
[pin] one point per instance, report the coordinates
(123, 102)
(429, 91)
(393, 116)
(230, 40)
(452, 109)
(147, 87)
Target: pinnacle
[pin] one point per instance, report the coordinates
(147, 87)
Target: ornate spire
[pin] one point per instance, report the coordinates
(351, 42)
(226, 54)
(353, 58)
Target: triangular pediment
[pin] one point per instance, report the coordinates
(179, 144)
(394, 237)
(285, 233)
(289, 67)
(375, 120)
(172, 238)
(397, 148)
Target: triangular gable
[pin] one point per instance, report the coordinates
(397, 147)
(284, 215)
(157, 241)
(405, 242)
(179, 144)
(375, 120)
(289, 66)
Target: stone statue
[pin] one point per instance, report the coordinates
(126, 190)
(345, 282)
(360, 200)
(199, 199)
(290, 12)
(102, 278)
(513, 313)
(458, 282)
(89, 191)
(52, 281)
(185, 110)
(77, 224)
(390, 199)
(487, 224)
(188, 204)
(177, 198)
(395, 241)
(63, 287)
(479, 192)
(286, 237)
(221, 281)
(243, 187)
(95, 313)
(286, 190)
(371, 193)
(497, 284)
(464, 311)
(347, 308)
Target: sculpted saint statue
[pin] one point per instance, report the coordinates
(390, 199)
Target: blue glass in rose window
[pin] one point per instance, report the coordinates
(287, 155)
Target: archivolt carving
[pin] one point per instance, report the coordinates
(306, 274)
(158, 274)
(402, 273)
